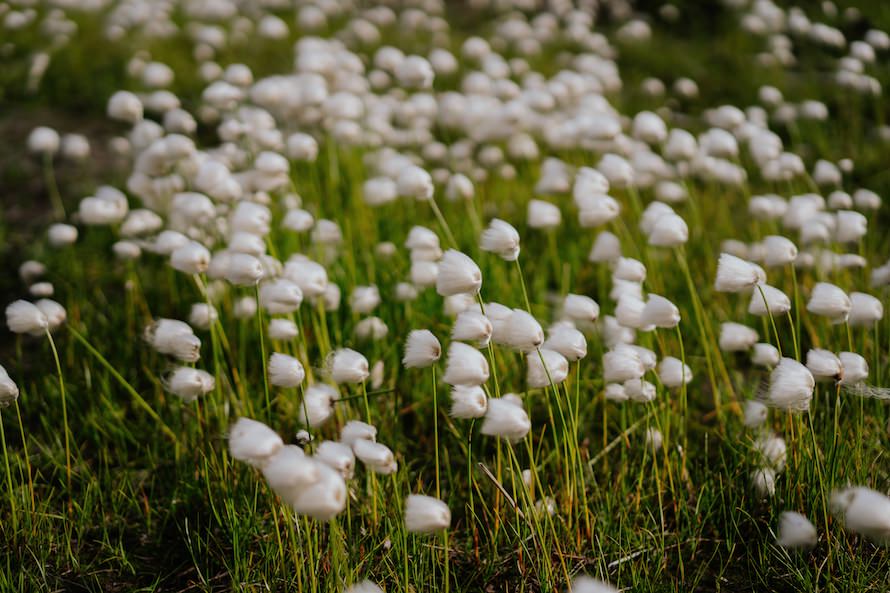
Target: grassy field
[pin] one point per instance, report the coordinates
(109, 482)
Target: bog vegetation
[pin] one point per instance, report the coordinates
(416, 296)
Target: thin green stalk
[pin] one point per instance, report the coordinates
(771, 320)
(52, 345)
(436, 429)
(49, 175)
(442, 222)
(528, 306)
(259, 322)
(12, 504)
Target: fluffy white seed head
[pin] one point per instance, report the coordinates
(337, 456)
(546, 366)
(864, 511)
(768, 300)
(765, 355)
(755, 413)
(253, 441)
(189, 383)
(829, 301)
(285, 371)
(282, 329)
(660, 312)
(585, 584)
(501, 239)
(566, 340)
(289, 472)
(796, 531)
(375, 456)
(735, 337)
(174, 338)
(579, 307)
(325, 498)
(472, 326)
(468, 402)
(521, 331)
(606, 248)
(543, 215)
(778, 251)
(823, 364)
(791, 386)
(348, 366)
(737, 275)
(854, 368)
(9, 391)
(422, 349)
(457, 273)
(865, 310)
(465, 366)
(425, 514)
(506, 419)
(673, 373)
(621, 364)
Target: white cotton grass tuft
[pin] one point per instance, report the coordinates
(522, 331)
(586, 584)
(472, 326)
(317, 405)
(280, 296)
(824, 364)
(865, 310)
(580, 308)
(506, 419)
(348, 366)
(778, 251)
(282, 329)
(189, 383)
(468, 402)
(23, 317)
(355, 430)
(422, 349)
(9, 391)
(735, 337)
(289, 472)
(375, 456)
(500, 238)
(673, 373)
(660, 312)
(566, 340)
(755, 413)
(253, 441)
(545, 367)
(365, 586)
(325, 498)
(457, 273)
(768, 300)
(465, 366)
(829, 301)
(426, 514)
(735, 274)
(174, 338)
(606, 248)
(622, 363)
(337, 456)
(764, 481)
(791, 386)
(796, 531)
(854, 368)
(285, 371)
(765, 355)
(639, 390)
(863, 511)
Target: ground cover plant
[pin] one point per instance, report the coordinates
(431, 296)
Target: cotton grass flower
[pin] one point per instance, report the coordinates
(317, 405)
(253, 442)
(673, 373)
(468, 402)
(23, 317)
(9, 391)
(457, 273)
(426, 514)
(660, 312)
(585, 584)
(864, 511)
(791, 386)
(796, 531)
(829, 301)
(737, 275)
(735, 337)
(348, 366)
(472, 326)
(363, 587)
(325, 498)
(823, 364)
(189, 383)
(765, 355)
(621, 364)
(465, 366)
(175, 338)
(865, 310)
(289, 472)
(506, 419)
(545, 367)
(568, 341)
(375, 456)
(285, 371)
(854, 368)
(521, 331)
(755, 413)
(422, 349)
(282, 329)
(581, 308)
(501, 239)
(337, 456)
(768, 300)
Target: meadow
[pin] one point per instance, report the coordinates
(444, 296)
